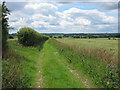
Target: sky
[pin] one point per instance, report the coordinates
(64, 16)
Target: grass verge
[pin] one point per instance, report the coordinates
(19, 70)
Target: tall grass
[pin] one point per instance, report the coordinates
(11, 65)
(102, 71)
(19, 70)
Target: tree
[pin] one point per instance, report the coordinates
(50, 36)
(59, 36)
(5, 26)
(89, 36)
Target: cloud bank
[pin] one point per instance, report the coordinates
(46, 17)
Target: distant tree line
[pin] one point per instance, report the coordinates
(109, 36)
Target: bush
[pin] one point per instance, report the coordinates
(76, 36)
(50, 36)
(55, 37)
(59, 36)
(29, 37)
(11, 37)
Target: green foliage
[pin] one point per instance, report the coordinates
(11, 65)
(109, 38)
(5, 26)
(19, 66)
(50, 36)
(76, 36)
(59, 36)
(10, 37)
(29, 37)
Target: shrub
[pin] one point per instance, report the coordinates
(50, 36)
(11, 37)
(29, 37)
(109, 38)
(55, 37)
(59, 36)
(76, 36)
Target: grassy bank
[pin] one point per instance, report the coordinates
(19, 70)
(102, 73)
(11, 69)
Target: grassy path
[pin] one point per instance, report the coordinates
(48, 69)
(54, 73)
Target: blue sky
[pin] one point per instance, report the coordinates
(68, 17)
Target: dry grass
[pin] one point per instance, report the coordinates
(11, 68)
(98, 53)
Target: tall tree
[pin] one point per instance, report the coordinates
(5, 26)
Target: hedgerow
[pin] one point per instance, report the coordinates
(29, 37)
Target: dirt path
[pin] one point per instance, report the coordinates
(39, 80)
(82, 79)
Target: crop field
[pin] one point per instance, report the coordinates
(102, 43)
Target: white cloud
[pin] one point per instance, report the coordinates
(86, 17)
(43, 8)
(45, 17)
(109, 19)
(42, 18)
(82, 21)
(20, 23)
(64, 23)
(39, 24)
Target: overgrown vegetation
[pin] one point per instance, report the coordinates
(103, 73)
(29, 37)
(19, 66)
(10, 68)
